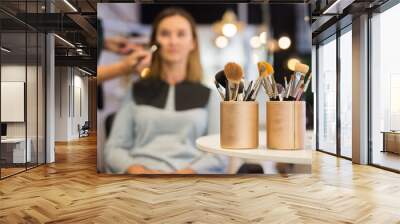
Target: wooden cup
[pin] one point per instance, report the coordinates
(239, 124)
(286, 124)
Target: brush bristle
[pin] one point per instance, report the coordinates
(270, 69)
(299, 67)
(265, 68)
(221, 78)
(233, 72)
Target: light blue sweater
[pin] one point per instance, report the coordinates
(163, 139)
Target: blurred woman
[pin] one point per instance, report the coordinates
(155, 131)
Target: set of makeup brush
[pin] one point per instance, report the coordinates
(231, 85)
(298, 84)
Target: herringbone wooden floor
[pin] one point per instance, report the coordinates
(70, 191)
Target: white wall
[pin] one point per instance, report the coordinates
(15, 73)
(61, 103)
(71, 93)
(33, 126)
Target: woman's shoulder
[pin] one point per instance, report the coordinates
(191, 95)
(188, 95)
(195, 87)
(151, 92)
(144, 84)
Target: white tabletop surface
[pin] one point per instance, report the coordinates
(211, 144)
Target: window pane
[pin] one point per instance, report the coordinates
(346, 94)
(15, 150)
(327, 97)
(385, 84)
(41, 99)
(31, 96)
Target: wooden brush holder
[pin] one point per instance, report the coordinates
(239, 124)
(286, 124)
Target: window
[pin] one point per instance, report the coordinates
(346, 94)
(385, 87)
(327, 96)
(22, 75)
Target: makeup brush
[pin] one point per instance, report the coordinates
(266, 70)
(281, 91)
(153, 48)
(287, 96)
(220, 90)
(254, 91)
(234, 74)
(271, 72)
(301, 70)
(221, 78)
(286, 84)
(246, 93)
(222, 81)
(307, 82)
(303, 88)
(274, 87)
(240, 91)
(299, 92)
(146, 71)
(268, 88)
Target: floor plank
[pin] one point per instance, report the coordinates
(70, 191)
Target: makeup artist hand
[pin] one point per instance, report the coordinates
(136, 61)
(139, 169)
(144, 62)
(119, 45)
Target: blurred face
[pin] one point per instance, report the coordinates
(174, 34)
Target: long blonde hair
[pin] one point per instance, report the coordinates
(194, 71)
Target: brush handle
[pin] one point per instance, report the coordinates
(297, 88)
(227, 93)
(286, 83)
(307, 82)
(234, 88)
(289, 89)
(220, 91)
(256, 89)
(246, 93)
(248, 98)
(253, 90)
(268, 87)
(294, 81)
(240, 97)
(274, 87)
(299, 94)
(221, 94)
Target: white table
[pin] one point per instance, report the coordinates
(211, 144)
(19, 155)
